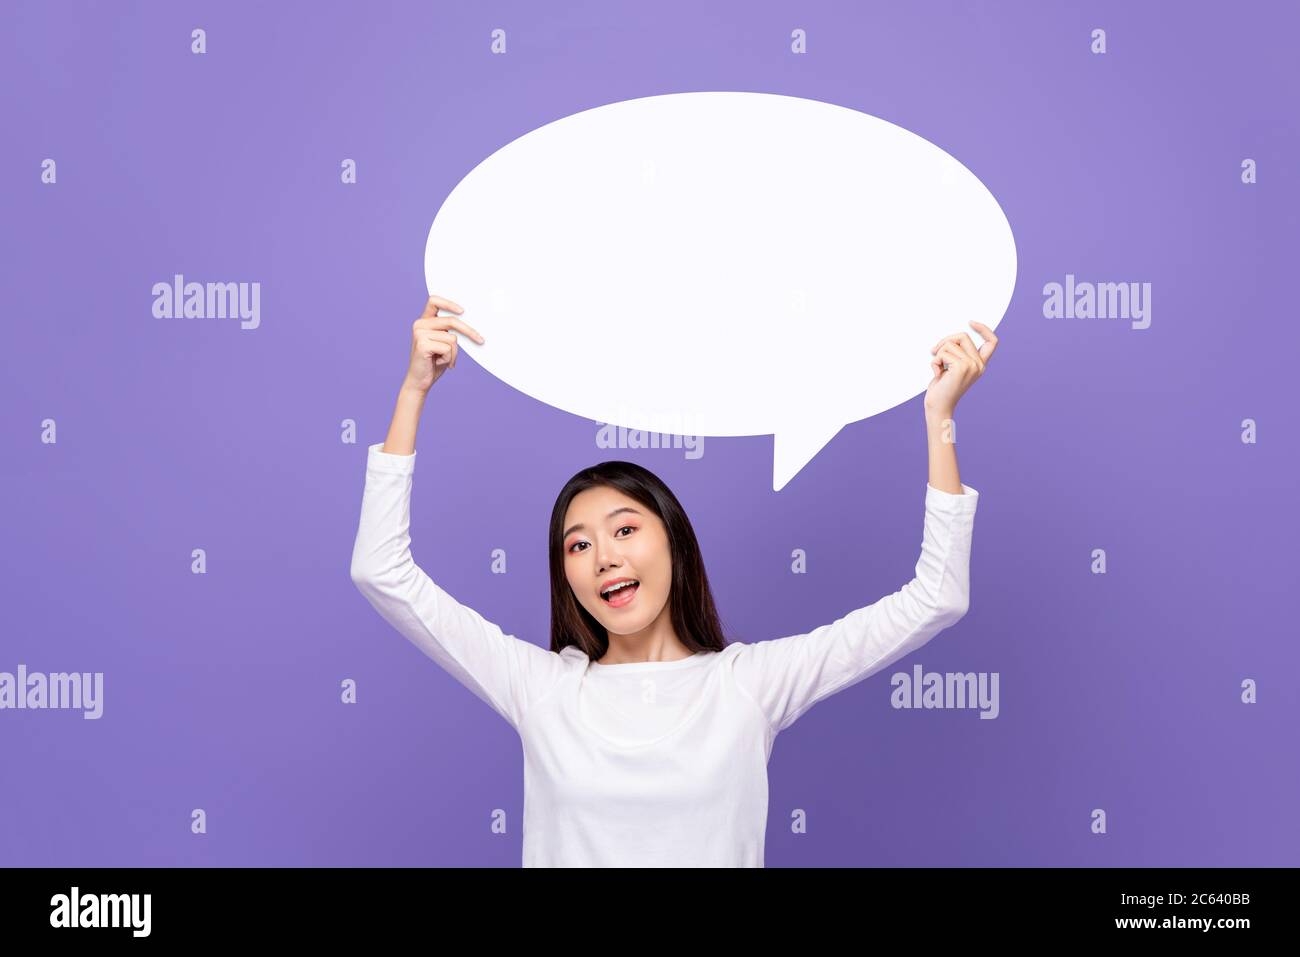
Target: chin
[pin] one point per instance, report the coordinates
(622, 626)
(630, 621)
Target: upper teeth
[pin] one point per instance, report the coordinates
(614, 588)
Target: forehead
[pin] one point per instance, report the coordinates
(593, 504)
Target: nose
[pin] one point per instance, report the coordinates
(606, 558)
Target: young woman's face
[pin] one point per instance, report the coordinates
(618, 538)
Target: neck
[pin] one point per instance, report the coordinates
(656, 642)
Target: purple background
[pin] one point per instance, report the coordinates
(221, 691)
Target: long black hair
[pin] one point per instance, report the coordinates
(690, 600)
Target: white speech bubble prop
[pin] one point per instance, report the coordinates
(721, 264)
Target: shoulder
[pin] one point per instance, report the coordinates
(735, 651)
(573, 658)
(562, 669)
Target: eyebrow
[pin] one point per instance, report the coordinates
(574, 528)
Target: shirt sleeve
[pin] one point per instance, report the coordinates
(787, 676)
(506, 672)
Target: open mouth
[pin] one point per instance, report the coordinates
(621, 594)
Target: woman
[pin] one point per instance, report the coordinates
(646, 736)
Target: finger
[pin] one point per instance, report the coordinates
(426, 335)
(990, 340)
(951, 350)
(436, 351)
(963, 340)
(449, 322)
(440, 343)
(953, 355)
(943, 340)
(437, 302)
(430, 339)
(967, 345)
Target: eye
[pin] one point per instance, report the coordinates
(630, 528)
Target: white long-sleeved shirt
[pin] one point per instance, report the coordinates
(655, 763)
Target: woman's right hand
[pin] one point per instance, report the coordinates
(433, 343)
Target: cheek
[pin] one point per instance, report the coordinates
(658, 562)
(573, 586)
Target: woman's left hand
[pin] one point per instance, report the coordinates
(964, 364)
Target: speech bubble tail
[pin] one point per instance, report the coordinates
(794, 446)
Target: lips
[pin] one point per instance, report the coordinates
(621, 596)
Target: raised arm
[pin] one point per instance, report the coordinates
(506, 672)
(787, 676)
